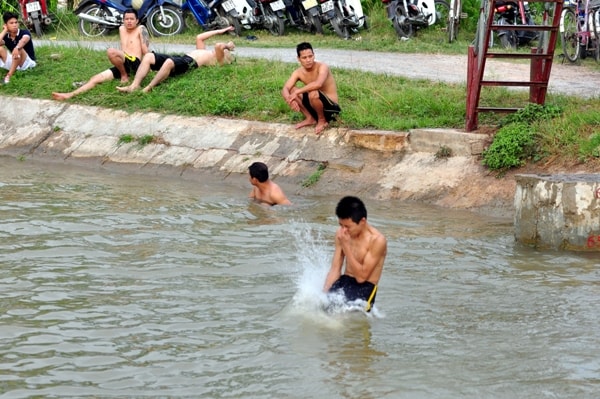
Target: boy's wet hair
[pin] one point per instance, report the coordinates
(131, 11)
(303, 46)
(351, 208)
(259, 171)
(8, 15)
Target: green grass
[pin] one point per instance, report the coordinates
(250, 89)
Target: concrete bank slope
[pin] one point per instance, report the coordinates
(372, 164)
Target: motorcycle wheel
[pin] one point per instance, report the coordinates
(317, 25)
(237, 27)
(169, 22)
(92, 29)
(509, 40)
(273, 23)
(337, 23)
(402, 26)
(569, 37)
(37, 26)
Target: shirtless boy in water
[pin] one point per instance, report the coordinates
(172, 65)
(134, 44)
(265, 190)
(318, 98)
(362, 247)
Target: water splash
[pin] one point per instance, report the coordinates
(314, 258)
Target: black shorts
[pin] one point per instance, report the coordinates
(183, 63)
(131, 66)
(354, 290)
(330, 108)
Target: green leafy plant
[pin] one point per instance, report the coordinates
(511, 147)
(316, 176)
(532, 113)
(516, 142)
(125, 139)
(146, 139)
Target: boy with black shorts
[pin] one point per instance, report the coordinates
(317, 100)
(172, 65)
(126, 61)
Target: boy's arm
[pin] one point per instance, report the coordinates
(336, 266)
(206, 35)
(21, 43)
(374, 256)
(145, 39)
(220, 51)
(318, 82)
(2, 34)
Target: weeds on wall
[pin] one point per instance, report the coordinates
(516, 141)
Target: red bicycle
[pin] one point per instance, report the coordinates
(579, 29)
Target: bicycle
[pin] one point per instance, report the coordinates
(579, 27)
(454, 16)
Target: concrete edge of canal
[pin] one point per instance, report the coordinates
(374, 164)
(371, 164)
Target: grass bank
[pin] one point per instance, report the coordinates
(250, 89)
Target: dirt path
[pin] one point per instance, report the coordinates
(564, 79)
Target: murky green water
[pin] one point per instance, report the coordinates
(121, 285)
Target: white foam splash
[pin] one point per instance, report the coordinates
(314, 258)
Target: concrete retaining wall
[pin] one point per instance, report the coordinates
(558, 211)
(373, 164)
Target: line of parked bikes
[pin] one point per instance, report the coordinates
(579, 26)
(167, 17)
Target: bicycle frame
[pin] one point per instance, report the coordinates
(579, 28)
(454, 15)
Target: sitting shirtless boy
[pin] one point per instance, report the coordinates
(134, 44)
(317, 98)
(172, 65)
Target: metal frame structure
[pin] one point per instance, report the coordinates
(540, 58)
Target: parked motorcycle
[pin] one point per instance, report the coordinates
(305, 15)
(343, 16)
(408, 16)
(161, 17)
(217, 14)
(262, 14)
(35, 14)
(514, 13)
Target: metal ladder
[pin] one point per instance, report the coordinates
(540, 58)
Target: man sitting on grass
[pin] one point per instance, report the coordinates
(134, 44)
(19, 53)
(172, 65)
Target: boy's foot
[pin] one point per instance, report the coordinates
(6, 80)
(306, 122)
(320, 127)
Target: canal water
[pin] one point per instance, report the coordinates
(115, 284)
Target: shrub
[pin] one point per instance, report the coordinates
(511, 147)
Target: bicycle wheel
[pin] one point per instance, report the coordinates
(569, 35)
(442, 10)
(454, 20)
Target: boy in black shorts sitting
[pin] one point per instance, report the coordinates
(172, 65)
